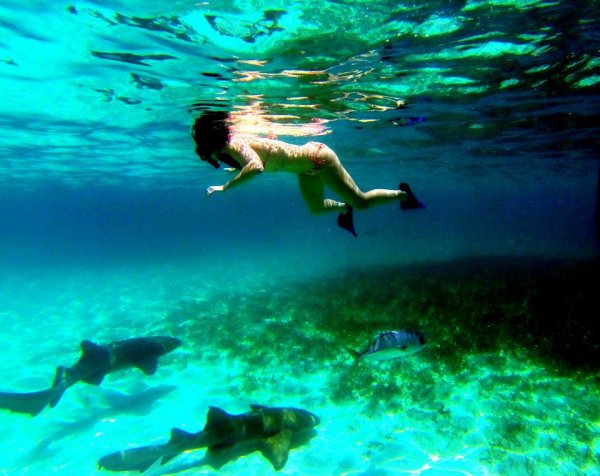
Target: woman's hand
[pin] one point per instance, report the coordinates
(214, 188)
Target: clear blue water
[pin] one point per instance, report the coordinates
(107, 233)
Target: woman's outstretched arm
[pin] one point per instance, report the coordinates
(252, 166)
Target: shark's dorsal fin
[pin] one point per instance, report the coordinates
(177, 436)
(148, 365)
(256, 408)
(95, 359)
(277, 448)
(216, 418)
(88, 347)
(32, 402)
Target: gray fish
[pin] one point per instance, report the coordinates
(391, 345)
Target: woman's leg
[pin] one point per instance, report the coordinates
(335, 176)
(312, 189)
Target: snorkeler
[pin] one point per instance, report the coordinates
(315, 164)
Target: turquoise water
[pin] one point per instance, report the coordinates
(489, 109)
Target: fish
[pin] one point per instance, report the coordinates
(270, 430)
(391, 345)
(96, 361)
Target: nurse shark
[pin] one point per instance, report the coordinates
(96, 361)
(271, 430)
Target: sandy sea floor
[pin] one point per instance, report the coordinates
(508, 383)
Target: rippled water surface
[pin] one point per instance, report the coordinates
(104, 92)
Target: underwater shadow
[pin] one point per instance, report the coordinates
(117, 403)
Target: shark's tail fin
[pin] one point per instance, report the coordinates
(354, 353)
(31, 402)
(34, 402)
(144, 457)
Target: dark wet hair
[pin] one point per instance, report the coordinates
(211, 133)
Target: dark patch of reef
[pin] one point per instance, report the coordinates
(538, 310)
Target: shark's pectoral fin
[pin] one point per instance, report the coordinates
(148, 366)
(277, 447)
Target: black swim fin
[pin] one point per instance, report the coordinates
(345, 220)
(411, 201)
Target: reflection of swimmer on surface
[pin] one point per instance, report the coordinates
(315, 164)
